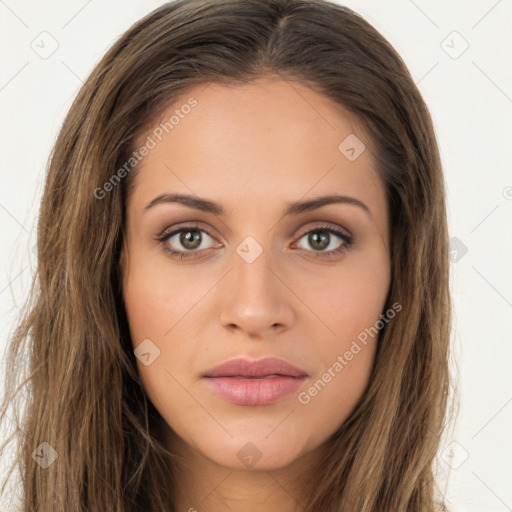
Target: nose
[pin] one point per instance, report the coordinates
(256, 298)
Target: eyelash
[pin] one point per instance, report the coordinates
(345, 237)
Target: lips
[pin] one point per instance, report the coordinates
(246, 368)
(263, 382)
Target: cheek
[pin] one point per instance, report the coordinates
(350, 304)
(345, 364)
(349, 300)
(158, 322)
(157, 300)
(165, 311)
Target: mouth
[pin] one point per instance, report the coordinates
(252, 383)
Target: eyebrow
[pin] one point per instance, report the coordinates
(293, 209)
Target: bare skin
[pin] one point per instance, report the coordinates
(254, 150)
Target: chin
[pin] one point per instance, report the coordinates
(243, 454)
(255, 450)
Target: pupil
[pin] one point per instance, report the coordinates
(190, 239)
(324, 240)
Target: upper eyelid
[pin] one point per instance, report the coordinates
(326, 225)
(172, 231)
(182, 226)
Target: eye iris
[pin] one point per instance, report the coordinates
(190, 239)
(319, 241)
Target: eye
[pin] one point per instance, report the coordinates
(184, 240)
(187, 241)
(322, 238)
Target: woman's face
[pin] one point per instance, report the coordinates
(252, 276)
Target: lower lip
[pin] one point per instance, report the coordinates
(255, 391)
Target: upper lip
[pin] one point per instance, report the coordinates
(241, 367)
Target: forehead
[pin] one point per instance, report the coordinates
(267, 141)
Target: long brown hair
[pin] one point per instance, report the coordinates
(71, 357)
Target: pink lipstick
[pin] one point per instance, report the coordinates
(262, 382)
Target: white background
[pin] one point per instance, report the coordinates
(470, 98)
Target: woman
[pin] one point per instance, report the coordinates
(241, 299)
